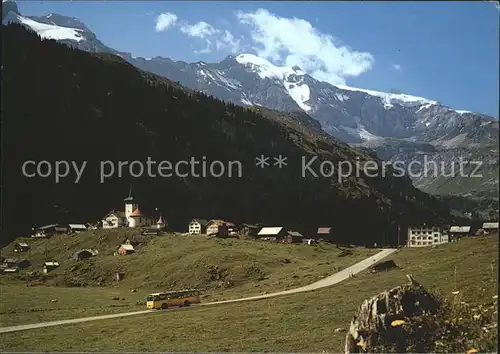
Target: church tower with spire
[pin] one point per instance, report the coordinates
(130, 206)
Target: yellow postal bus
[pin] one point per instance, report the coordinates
(173, 298)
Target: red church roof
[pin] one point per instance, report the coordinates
(136, 213)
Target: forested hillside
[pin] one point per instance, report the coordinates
(64, 104)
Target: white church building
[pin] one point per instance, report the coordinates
(132, 217)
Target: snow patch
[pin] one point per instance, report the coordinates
(361, 132)
(462, 112)
(341, 97)
(266, 69)
(300, 93)
(46, 31)
(425, 106)
(389, 98)
(244, 100)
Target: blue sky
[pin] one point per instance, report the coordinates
(445, 51)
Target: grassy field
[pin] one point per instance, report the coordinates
(303, 322)
(222, 268)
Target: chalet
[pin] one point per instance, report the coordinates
(217, 227)
(457, 232)
(77, 228)
(84, 254)
(274, 233)
(490, 227)
(198, 226)
(293, 237)
(126, 249)
(425, 235)
(324, 233)
(114, 219)
(248, 230)
(50, 266)
(21, 247)
(44, 231)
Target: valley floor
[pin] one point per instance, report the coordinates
(304, 322)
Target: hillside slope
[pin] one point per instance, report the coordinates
(81, 107)
(221, 267)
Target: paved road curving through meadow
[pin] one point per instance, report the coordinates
(328, 281)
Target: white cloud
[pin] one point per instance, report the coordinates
(397, 67)
(165, 20)
(227, 41)
(224, 40)
(199, 30)
(293, 41)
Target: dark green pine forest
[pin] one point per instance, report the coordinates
(60, 103)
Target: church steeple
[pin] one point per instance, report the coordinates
(129, 199)
(130, 206)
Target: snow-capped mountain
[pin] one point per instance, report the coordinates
(68, 30)
(395, 125)
(354, 115)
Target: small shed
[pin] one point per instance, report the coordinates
(50, 266)
(44, 231)
(77, 227)
(16, 263)
(293, 237)
(21, 247)
(10, 262)
(457, 232)
(10, 270)
(84, 254)
(272, 233)
(324, 233)
(126, 249)
(489, 227)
